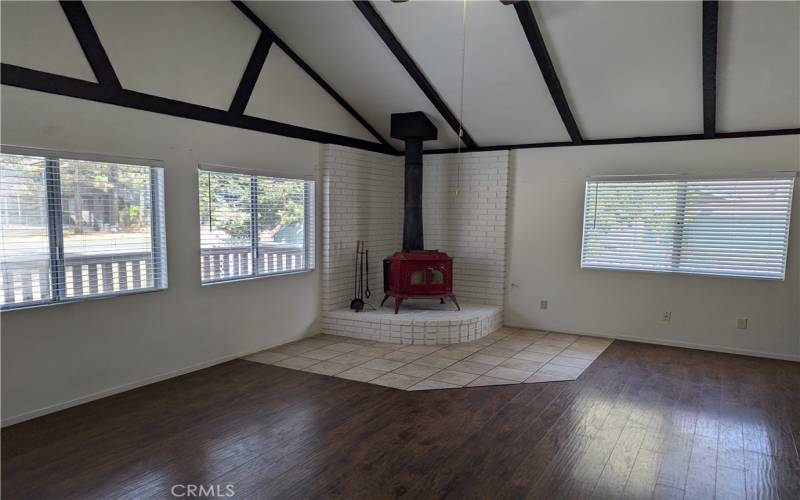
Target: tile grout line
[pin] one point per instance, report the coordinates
(482, 346)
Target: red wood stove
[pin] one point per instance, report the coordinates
(418, 274)
(415, 272)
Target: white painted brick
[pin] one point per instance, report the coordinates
(363, 199)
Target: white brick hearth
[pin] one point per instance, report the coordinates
(464, 212)
(420, 323)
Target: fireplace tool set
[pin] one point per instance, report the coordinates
(361, 281)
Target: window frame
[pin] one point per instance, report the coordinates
(309, 251)
(55, 220)
(793, 174)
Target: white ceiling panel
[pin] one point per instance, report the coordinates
(285, 93)
(37, 35)
(336, 40)
(628, 68)
(758, 66)
(506, 100)
(190, 51)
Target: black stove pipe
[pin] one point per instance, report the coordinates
(412, 215)
(413, 128)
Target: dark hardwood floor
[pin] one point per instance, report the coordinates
(643, 421)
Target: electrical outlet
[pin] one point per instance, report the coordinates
(741, 323)
(667, 316)
(542, 304)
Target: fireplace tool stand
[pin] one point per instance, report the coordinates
(361, 266)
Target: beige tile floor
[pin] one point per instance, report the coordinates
(507, 356)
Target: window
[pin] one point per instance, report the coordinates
(711, 226)
(253, 225)
(72, 228)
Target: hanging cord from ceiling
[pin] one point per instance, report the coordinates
(460, 161)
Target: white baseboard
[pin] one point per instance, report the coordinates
(127, 387)
(678, 343)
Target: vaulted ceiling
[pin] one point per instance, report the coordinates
(534, 73)
(627, 68)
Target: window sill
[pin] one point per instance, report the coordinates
(253, 278)
(42, 304)
(683, 273)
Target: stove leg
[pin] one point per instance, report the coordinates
(384, 299)
(453, 298)
(397, 302)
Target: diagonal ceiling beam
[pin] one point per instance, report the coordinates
(251, 72)
(31, 79)
(710, 24)
(90, 43)
(309, 71)
(534, 35)
(394, 45)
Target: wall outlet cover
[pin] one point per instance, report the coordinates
(741, 323)
(667, 316)
(543, 304)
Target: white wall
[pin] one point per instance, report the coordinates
(546, 219)
(55, 356)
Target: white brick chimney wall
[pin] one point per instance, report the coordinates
(362, 200)
(471, 225)
(362, 195)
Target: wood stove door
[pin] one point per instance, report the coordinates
(427, 280)
(438, 279)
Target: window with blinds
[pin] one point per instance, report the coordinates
(736, 227)
(72, 228)
(254, 225)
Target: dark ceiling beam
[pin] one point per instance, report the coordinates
(629, 140)
(394, 45)
(30, 79)
(251, 72)
(90, 43)
(535, 40)
(710, 24)
(310, 71)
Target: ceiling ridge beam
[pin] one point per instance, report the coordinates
(382, 29)
(251, 72)
(629, 140)
(531, 28)
(90, 43)
(17, 76)
(310, 72)
(710, 25)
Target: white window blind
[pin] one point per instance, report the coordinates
(735, 227)
(74, 228)
(254, 225)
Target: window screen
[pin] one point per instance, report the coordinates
(254, 225)
(74, 229)
(722, 227)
